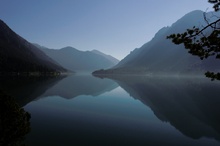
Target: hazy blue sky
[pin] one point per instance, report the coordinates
(114, 27)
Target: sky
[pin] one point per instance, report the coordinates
(114, 27)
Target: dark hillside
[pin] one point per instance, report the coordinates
(18, 55)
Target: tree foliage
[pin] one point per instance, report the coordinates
(14, 122)
(216, 4)
(202, 44)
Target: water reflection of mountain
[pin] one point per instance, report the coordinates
(77, 85)
(191, 105)
(26, 89)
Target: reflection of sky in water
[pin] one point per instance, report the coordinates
(111, 118)
(114, 105)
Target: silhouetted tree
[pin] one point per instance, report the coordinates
(199, 43)
(14, 122)
(216, 4)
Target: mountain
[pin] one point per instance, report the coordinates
(18, 55)
(109, 57)
(161, 56)
(80, 61)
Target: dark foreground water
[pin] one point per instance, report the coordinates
(132, 110)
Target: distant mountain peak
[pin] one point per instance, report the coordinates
(96, 51)
(111, 58)
(69, 48)
(81, 61)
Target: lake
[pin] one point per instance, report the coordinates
(119, 110)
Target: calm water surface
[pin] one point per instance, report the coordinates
(85, 110)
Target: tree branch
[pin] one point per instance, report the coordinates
(209, 25)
